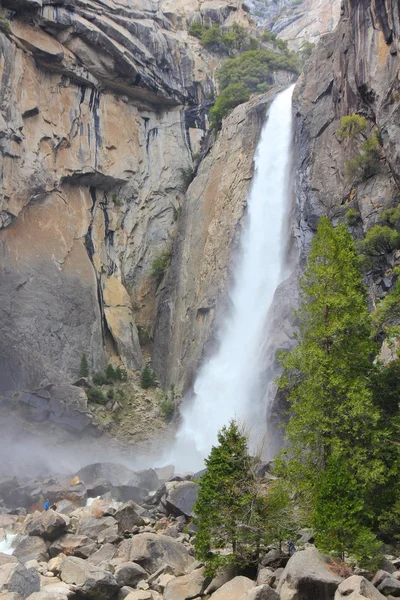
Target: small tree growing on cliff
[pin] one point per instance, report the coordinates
(84, 366)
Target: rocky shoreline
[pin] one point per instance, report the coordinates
(118, 534)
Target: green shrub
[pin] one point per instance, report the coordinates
(196, 30)
(145, 334)
(353, 217)
(187, 176)
(4, 24)
(167, 405)
(96, 396)
(391, 216)
(100, 378)
(351, 126)
(121, 374)
(380, 240)
(110, 373)
(148, 378)
(110, 393)
(117, 201)
(160, 264)
(233, 95)
(366, 163)
(84, 366)
(211, 38)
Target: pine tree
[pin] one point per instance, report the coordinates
(84, 366)
(147, 378)
(333, 426)
(229, 511)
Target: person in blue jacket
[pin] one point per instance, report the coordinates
(47, 505)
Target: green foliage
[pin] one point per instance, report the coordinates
(96, 396)
(334, 421)
(386, 317)
(391, 216)
(229, 512)
(187, 176)
(211, 38)
(253, 68)
(160, 264)
(4, 24)
(167, 404)
(116, 200)
(305, 51)
(110, 375)
(196, 29)
(379, 241)
(84, 366)
(100, 378)
(148, 378)
(352, 126)
(367, 162)
(353, 217)
(233, 95)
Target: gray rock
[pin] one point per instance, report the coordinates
(68, 544)
(379, 577)
(266, 576)
(261, 592)
(9, 596)
(152, 551)
(127, 517)
(307, 575)
(88, 579)
(356, 588)
(49, 525)
(92, 526)
(103, 555)
(186, 587)
(181, 497)
(15, 577)
(234, 589)
(31, 548)
(390, 587)
(129, 574)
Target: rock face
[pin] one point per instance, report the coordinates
(92, 173)
(152, 551)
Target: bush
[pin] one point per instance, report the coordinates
(232, 96)
(160, 264)
(196, 30)
(100, 378)
(380, 240)
(211, 38)
(4, 25)
(353, 217)
(167, 405)
(351, 126)
(84, 367)
(391, 216)
(96, 396)
(121, 374)
(110, 374)
(187, 176)
(367, 162)
(148, 378)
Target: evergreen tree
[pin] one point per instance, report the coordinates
(110, 373)
(84, 366)
(229, 511)
(332, 460)
(147, 377)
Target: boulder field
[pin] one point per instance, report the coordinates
(135, 540)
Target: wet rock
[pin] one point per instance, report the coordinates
(89, 580)
(233, 589)
(129, 574)
(49, 525)
(307, 574)
(15, 577)
(31, 548)
(152, 551)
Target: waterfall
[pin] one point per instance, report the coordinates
(228, 385)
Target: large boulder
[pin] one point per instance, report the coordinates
(127, 517)
(130, 573)
(93, 526)
(152, 551)
(69, 544)
(49, 525)
(15, 577)
(88, 580)
(103, 555)
(56, 591)
(9, 596)
(188, 586)
(31, 548)
(233, 589)
(357, 588)
(261, 592)
(307, 575)
(180, 497)
(390, 587)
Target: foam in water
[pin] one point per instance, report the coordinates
(6, 544)
(228, 385)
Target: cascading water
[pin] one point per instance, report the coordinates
(228, 385)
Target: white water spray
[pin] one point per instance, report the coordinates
(228, 385)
